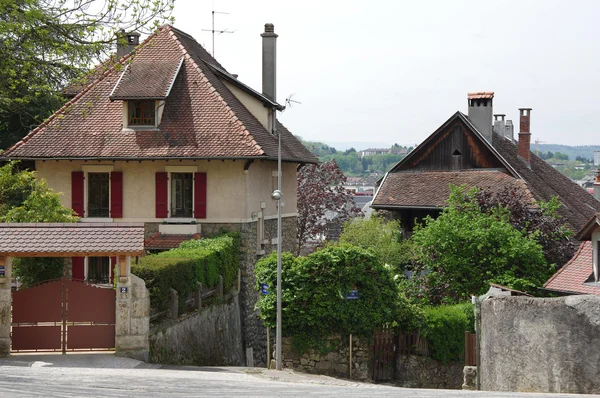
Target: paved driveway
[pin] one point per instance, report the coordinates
(102, 375)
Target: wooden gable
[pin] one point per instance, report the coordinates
(454, 146)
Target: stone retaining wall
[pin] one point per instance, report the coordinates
(211, 337)
(414, 371)
(335, 363)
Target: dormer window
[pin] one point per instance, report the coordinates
(142, 113)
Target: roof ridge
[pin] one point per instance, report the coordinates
(214, 90)
(571, 260)
(62, 109)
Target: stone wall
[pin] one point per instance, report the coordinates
(541, 344)
(132, 319)
(211, 337)
(335, 363)
(423, 372)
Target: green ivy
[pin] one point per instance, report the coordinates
(314, 295)
(199, 260)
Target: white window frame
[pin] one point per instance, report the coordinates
(159, 107)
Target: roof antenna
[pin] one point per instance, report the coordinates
(289, 101)
(213, 30)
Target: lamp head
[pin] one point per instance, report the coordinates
(277, 194)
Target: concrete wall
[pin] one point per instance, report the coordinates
(212, 337)
(234, 195)
(541, 344)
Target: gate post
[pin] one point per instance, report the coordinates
(132, 323)
(5, 304)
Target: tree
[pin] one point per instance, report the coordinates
(321, 199)
(384, 238)
(24, 198)
(464, 249)
(47, 43)
(540, 221)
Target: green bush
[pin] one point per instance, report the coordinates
(445, 328)
(199, 260)
(33, 270)
(314, 291)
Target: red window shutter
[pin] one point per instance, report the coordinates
(77, 271)
(113, 262)
(77, 187)
(116, 194)
(162, 195)
(199, 195)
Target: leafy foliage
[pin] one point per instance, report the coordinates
(464, 249)
(321, 195)
(314, 291)
(24, 198)
(47, 43)
(542, 222)
(445, 328)
(34, 270)
(200, 260)
(383, 237)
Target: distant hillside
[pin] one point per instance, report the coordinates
(584, 151)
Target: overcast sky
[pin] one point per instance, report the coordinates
(394, 71)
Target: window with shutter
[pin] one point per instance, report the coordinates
(98, 195)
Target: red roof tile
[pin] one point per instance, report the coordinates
(147, 79)
(202, 119)
(160, 241)
(57, 238)
(432, 188)
(572, 276)
(481, 95)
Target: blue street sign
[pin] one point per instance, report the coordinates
(264, 289)
(124, 289)
(2, 270)
(353, 295)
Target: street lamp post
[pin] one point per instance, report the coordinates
(278, 195)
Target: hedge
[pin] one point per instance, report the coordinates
(445, 328)
(199, 260)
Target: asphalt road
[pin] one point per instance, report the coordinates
(61, 378)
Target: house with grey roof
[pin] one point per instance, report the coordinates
(477, 151)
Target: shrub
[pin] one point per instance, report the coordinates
(199, 260)
(445, 328)
(33, 270)
(314, 291)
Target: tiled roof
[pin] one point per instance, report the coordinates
(481, 95)
(57, 238)
(544, 182)
(160, 241)
(572, 276)
(202, 119)
(146, 79)
(432, 188)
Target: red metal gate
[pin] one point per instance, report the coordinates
(63, 315)
(384, 354)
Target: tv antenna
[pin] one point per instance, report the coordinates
(219, 31)
(289, 101)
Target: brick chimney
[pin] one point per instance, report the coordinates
(126, 42)
(597, 185)
(525, 135)
(481, 112)
(269, 57)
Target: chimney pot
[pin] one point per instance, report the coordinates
(525, 135)
(126, 43)
(269, 58)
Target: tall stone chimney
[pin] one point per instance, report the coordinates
(499, 124)
(525, 135)
(597, 185)
(269, 57)
(126, 42)
(481, 112)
